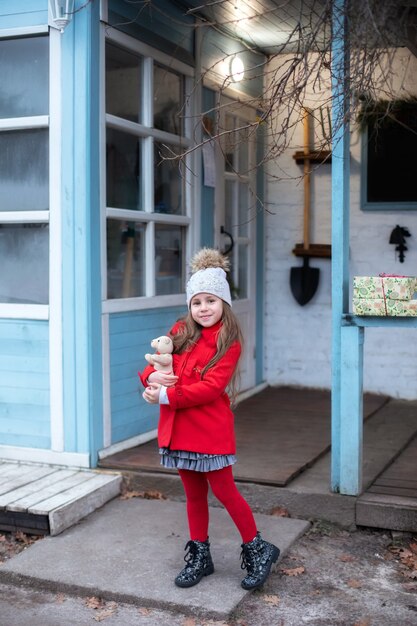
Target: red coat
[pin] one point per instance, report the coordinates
(198, 417)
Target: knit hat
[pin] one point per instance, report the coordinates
(208, 275)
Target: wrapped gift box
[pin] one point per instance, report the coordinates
(379, 306)
(392, 287)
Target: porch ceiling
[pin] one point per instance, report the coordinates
(274, 26)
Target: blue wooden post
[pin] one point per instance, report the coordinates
(81, 302)
(340, 217)
(351, 410)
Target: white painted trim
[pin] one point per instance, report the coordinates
(104, 11)
(142, 216)
(140, 130)
(106, 381)
(102, 158)
(49, 457)
(122, 305)
(128, 443)
(19, 123)
(24, 311)
(17, 217)
(142, 48)
(55, 248)
(150, 261)
(24, 31)
(251, 392)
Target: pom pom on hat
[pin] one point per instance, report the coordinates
(209, 269)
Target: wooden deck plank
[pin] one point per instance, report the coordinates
(33, 489)
(24, 478)
(26, 503)
(89, 485)
(279, 433)
(13, 470)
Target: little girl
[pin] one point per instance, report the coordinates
(196, 425)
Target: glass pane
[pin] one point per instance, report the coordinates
(24, 70)
(169, 259)
(125, 259)
(24, 262)
(243, 148)
(242, 291)
(168, 100)
(169, 180)
(229, 208)
(230, 145)
(123, 82)
(243, 209)
(123, 170)
(24, 164)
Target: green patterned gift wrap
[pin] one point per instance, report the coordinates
(390, 307)
(392, 287)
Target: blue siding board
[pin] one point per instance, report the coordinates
(15, 14)
(130, 337)
(24, 383)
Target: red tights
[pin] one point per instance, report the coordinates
(223, 486)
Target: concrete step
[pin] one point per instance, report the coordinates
(387, 511)
(44, 499)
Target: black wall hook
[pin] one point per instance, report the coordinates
(397, 237)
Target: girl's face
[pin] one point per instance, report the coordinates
(206, 309)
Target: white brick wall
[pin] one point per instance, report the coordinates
(298, 339)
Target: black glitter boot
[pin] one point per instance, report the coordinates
(199, 564)
(257, 558)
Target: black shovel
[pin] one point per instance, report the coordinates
(304, 280)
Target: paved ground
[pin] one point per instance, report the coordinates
(110, 568)
(329, 578)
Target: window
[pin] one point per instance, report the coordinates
(24, 170)
(146, 207)
(238, 200)
(389, 148)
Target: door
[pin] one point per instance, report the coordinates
(235, 221)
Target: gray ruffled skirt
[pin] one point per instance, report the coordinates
(195, 461)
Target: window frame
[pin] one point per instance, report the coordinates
(376, 206)
(149, 134)
(27, 310)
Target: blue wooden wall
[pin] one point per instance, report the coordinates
(16, 14)
(24, 383)
(130, 337)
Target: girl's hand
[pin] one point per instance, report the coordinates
(151, 393)
(168, 380)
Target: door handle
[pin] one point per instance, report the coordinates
(229, 248)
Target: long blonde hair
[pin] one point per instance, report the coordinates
(189, 333)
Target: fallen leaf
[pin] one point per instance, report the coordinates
(189, 621)
(413, 547)
(60, 598)
(21, 536)
(347, 558)
(94, 603)
(271, 599)
(354, 584)
(148, 495)
(412, 575)
(294, 571)
(2, 537)
(144, 611)
(280, 511)
(363, 622)
(104, 614)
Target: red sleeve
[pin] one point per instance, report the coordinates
(211, 387)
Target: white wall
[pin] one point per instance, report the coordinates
(298, 339)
